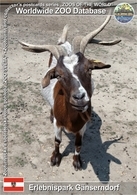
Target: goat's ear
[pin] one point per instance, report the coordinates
(95, 64)
(50, 75)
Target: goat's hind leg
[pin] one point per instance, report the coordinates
(56, 155)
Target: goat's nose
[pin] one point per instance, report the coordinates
(79, 96)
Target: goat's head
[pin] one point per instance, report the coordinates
(74, 75)
(73, 71)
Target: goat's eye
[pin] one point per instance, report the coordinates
(89, 70)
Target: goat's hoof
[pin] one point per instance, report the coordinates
(77, 163)
(56, 159)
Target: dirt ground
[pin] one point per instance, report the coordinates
(109, 145)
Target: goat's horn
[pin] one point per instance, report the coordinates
(95, 41)
(63, 37)
(56, 50)
(76, 43)
(92, 34)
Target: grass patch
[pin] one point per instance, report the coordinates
(36, 108)
(1, 127)
(27, 138)
(135, 145)
(16, 84)
(16, 126)
(1, 95)
(20, 104)
(112, 133)
(19, 161)
(108, 127)
(131, 124)
(101, 86)
(109, 130)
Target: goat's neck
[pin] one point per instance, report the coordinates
(67, 116)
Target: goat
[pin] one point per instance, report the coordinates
(67, 86)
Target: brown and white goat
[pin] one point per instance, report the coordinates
(67, 86)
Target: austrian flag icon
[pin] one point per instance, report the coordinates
(13, 184)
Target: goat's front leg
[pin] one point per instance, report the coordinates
(56, 155)
(77, 163)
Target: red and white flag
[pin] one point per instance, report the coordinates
(13, 184)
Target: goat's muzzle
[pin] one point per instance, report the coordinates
(79, 102)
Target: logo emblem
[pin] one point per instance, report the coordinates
(13, 184)
(124, 12)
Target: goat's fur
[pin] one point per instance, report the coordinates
(67, 86)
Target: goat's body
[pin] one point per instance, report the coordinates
(68, 87)
(64, 116)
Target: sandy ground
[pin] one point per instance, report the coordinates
(109, 146)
